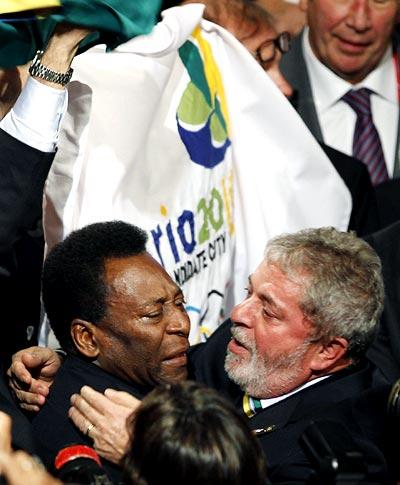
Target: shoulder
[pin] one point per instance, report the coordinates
(386, 242)
(293, 62)
(335, 410)
(207, 360)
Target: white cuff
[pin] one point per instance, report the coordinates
(36, 116)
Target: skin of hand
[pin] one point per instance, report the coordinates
(18, 467)
(61, 49)
(31, 373)
(58, 56)
(108, 413)
(11, 83)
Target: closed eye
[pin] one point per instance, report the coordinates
(181, 302)
(156, 314)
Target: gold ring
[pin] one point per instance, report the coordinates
(89, 429)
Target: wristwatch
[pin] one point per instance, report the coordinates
(37, 69)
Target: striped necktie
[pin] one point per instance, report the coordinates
(251, 405)
(367, 145)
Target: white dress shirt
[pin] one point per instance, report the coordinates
(266, 403)
(337, 119)
(36, 116)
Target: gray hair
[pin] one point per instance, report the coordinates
(342, 279)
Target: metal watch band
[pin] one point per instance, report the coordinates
(37, 69)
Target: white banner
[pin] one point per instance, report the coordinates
(182, 133)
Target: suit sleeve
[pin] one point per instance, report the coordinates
(23, 172)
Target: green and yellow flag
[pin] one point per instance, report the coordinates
(24, 29)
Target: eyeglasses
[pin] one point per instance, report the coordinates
(266, 52)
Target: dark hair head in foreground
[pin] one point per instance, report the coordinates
(190, 434)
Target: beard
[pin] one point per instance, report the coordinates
(260, 376)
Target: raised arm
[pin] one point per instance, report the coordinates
(28, 137)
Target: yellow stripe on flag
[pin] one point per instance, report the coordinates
(9, 6)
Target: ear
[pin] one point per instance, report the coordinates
(83, 334)
(303, 4)
(331, 356)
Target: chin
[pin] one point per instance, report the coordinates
(239, 370)
(174, 378)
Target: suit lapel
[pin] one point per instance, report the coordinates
(295, 70)
(339, 386)
(274, 417)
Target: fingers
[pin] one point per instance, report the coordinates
(29, 401)
(32, 395)
(19, 373)
(5, 432)
(122, 398)
(94, 398)
(79, 419)
(19, 468)
(31, 373)
(34, 360)
(83, 413)
(108, 415)
(110, 438)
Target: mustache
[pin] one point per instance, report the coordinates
(243, 338)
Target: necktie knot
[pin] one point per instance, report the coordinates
(359, 100)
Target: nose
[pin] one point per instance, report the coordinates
(242, 314)
(179, 323)
(277, 77)
(359, 16)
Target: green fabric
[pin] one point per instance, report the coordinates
(115, 22)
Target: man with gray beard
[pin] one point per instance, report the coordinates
(296, 347)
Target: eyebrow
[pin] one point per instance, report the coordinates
(267, 298)
(162, 300)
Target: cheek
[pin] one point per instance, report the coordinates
(326, 20)
(134, 347)
(385, 24)
(265, 339)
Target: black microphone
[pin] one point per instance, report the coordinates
(80, 464)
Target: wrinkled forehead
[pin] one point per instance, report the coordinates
(293, 265)
(139, 275)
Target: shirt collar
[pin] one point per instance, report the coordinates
(328, 88)
(265, 403)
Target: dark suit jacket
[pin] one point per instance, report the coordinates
(294, 69)
(331, 399)
(388, 199)
(53, 429)
(23, 174)
(365, 215)
(385, 350)
(21, 428)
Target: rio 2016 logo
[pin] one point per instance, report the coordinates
(202, 114)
